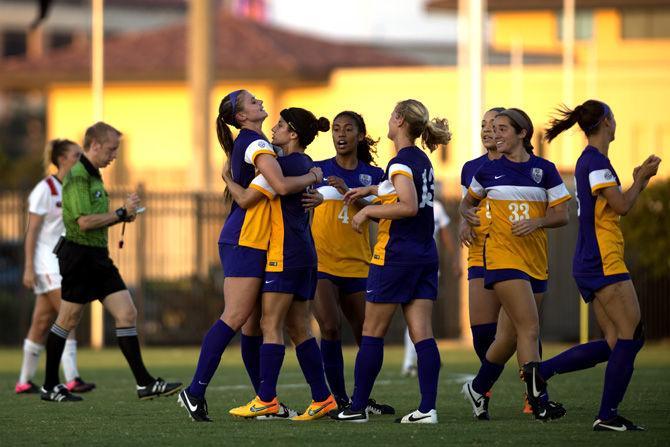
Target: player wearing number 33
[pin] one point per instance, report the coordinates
(404, 262)
(526, 194)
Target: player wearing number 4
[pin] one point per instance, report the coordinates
(343, 253)
(526, 194)
(598, 264)
(404, 262)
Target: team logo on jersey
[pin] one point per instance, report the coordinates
(261, 144)
(537, 174)
(608, 175)
(365, 179)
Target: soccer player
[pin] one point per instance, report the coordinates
(483, 304)
(525, 195)
(404, 261)
(88, 271)
(290, 277)
(41, 272)
(598, 264)
(343, 253)
(243, 242)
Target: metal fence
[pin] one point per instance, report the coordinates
(170, 263)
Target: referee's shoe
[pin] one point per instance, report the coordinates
(158, 387)
(59, 393)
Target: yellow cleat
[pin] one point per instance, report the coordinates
(317, 410)
(256, 408)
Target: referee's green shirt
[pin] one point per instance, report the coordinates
(84, 194)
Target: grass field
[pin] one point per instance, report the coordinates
(112, 415)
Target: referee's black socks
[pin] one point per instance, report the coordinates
(130, 346)
(55, 346)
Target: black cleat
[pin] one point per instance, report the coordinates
(617, 423)
(158, 387)
(59, 393)
(197, 408)
(342, 403)
(375, 408)
(26, 388)
(479, 402)
(79, 386)
(536, 391)
(348, 415)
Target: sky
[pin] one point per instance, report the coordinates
(381, 21)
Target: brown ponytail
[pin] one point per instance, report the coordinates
(588, 115)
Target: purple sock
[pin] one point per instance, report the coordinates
(428, 365)
(368, 364)
(482, 337)
(487, 376)
(576, 358)
(309, 358)
(272, 357)
(617, 376)
(213, 345)
(333, 366)
(250, 345)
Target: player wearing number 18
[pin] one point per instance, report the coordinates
(525, 194)
(404, 262)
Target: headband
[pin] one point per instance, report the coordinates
(518, 118)
(606, 112)
(233, 99)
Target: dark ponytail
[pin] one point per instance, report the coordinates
(367, 146)
(305, 124)
(588, 115)
(228, 108)
(56, 149)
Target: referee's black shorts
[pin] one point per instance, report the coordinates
(88, 273)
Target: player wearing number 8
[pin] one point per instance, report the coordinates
(404, 262)
(526, 194)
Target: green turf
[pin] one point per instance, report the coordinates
(112, 415)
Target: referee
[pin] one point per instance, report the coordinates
(87, 270)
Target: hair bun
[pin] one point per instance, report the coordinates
(323, 125)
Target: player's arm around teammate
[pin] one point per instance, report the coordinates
(520, 189)
(404, 261)
(598, 264)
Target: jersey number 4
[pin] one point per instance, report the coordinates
(519, 211)
(344, 214)
(427, 192)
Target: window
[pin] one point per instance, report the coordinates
(583, 24)
(651, 23)
(14, 43)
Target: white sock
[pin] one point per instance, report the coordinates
(31, 358)
(410, 352)
(69, 360)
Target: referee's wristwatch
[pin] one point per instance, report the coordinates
(122, 214)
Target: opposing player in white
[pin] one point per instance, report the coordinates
(41, 272)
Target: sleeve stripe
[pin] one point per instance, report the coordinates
(559, 201)
(464, 191)
(262, 190)
(259, 183)
(257, 153)
(600, 176)
(409, 176)
(399, 168)
(474, 194)
(596, 188)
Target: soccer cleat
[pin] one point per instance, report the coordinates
(26, 388)
(256, 407)
(617, 423)
(158, 387)
(348, 415)
(417, 417)
(478, 401)
(196, 407)
(317, 410)
(79, 386)
(59, 393)
(283, 414)
(527, 409)
(375, 408)
(342, 403)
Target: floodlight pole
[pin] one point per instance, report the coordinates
(97, 93)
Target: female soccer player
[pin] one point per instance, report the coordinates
(525, 195)
(343, 253)
(290, 277)
(244, 239)
(404, 262)
(484, 307)
(41, 272)
(598, 264)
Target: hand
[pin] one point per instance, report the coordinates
(466, 234)
(471, 216)
(359, 219)
(29, 278)
(132, 203)
(525, 226)
(357, 193)
(311, 199)
(338, 183)
(319, 174)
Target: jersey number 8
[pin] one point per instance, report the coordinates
(519, 211)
